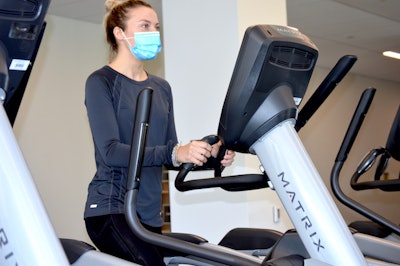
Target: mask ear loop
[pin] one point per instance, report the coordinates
(126, 38)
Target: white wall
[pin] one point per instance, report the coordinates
(54, 135)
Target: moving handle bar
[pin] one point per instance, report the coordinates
(257, 181)
(133, 183)
(341, 157)
(338, 72)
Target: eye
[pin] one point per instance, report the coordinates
(145, 26)
(148, 26)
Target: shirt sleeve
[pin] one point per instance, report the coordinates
(162, 154)
(103, 122)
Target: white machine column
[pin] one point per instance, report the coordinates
(305, 197)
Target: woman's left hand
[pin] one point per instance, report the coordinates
(228, 157)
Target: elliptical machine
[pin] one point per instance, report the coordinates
(382, 155)
(258, 116)
(378, 225)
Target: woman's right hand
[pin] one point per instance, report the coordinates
(196, 152)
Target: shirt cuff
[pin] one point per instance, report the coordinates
(174, 160)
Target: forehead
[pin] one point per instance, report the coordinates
(142, 13)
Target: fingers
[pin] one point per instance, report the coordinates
(215, 149)
(196, 152)
(200, 151)
(228, 158)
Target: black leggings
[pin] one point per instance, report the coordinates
(111, 234)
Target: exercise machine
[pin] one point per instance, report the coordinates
(26, 234)
(382, 156)
(378, 225)
(258, 117)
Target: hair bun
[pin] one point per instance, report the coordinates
(110, 4)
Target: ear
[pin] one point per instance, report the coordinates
(118, 33)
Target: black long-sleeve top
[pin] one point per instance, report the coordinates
(110, 99)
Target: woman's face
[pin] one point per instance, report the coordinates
(141, 19)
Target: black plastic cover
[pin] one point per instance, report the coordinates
(269, 81)
(22, 27)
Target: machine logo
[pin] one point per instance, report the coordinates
(9, 255)
(305, 219)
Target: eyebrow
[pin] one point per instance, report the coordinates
(148, 21)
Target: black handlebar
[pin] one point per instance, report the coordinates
(355, 124)
(229, 183)
(139, 137)
(337, 73)
(210, 139)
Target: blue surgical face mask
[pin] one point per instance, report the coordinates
(147, 45)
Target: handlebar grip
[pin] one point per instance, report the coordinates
(210, 139)
(187, 167)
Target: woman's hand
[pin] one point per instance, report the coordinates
(228, 157)
(196, 152)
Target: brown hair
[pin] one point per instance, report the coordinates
(116, 16)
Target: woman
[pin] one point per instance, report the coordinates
(132, 30)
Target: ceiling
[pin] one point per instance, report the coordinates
(364, 28)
